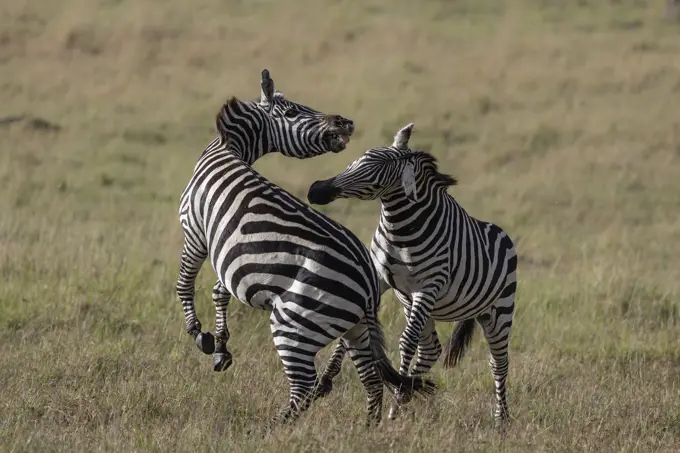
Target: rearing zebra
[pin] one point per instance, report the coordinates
(273, 252)
(442, 263)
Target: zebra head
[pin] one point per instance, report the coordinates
(300, 131)
(276, 124)
(384, 172)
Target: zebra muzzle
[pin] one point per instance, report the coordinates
(336, 141)
(322, 192)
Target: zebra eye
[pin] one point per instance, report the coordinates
(291, 113)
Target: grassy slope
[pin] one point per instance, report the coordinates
(561, 123)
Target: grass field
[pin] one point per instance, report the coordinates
(562, 124)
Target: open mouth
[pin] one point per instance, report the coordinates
(336, 141)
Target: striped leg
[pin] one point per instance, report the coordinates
(222, 358)
(297, 346)
(496, 324)
(429, 350)
(359, 347)
(325, 384)
(417, 317)
(334, 365)
(190, 264)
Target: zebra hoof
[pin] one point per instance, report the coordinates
(205, 342)
(393, 414)
(222, 361)
(325, 387)
(373, 420)
(400, 399)
(501, 422)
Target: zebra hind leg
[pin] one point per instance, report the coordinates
(298, 361)
(324, 385)
(190, 264)
(496, 324)
(357, 343)
(222, 358)
(334, 365)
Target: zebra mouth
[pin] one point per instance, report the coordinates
(336, 142)
(322, 192)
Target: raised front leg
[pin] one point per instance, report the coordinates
(222, 358)
(418, 316)
(190, 264)
(429, 350)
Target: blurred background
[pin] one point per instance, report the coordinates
(560, 119)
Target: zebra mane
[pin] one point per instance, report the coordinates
(231, 104)
(235, 103)
(430, 162)
(220, 118)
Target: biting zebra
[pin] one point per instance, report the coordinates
(443, 264)
(274, 252)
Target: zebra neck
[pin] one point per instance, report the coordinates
(244, 130)
(242, 149)
(401, 216)
(248, 154)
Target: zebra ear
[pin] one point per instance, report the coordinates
(408, 181)
(266, 88)
(402, 137)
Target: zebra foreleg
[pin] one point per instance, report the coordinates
(418, 316)
(429, 350)
(190, 264)
(222, 358)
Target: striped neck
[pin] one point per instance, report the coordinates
(401, 216)
(244, 130)
(247, 152)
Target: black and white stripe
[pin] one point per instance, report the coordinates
(442, 264)
(272, 251)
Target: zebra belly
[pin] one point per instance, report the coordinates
(449, 308)
(465, 306)
(455, 311)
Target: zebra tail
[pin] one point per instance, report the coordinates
(459, 342)
(391, 377)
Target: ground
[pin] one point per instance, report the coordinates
(561, 123)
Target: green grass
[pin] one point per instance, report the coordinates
(560, 119)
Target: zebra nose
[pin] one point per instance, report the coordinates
(322, 193)
(339, 121)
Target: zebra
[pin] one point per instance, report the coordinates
(443, 264)
(274, 252)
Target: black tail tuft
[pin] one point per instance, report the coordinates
(459, 342)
